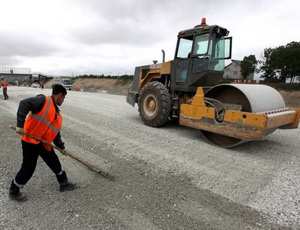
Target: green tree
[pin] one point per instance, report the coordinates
(282, 63)
(265, 66)
(248, 65)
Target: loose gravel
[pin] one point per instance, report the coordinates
(165, 178)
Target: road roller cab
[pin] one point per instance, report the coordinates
(187, 89)
(200, 57)
(199, 61)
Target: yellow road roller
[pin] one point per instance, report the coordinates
(187, 88)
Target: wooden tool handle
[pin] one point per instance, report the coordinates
(104, 174)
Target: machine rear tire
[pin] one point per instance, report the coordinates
(154, 104)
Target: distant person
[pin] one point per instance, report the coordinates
(40, 116)
(42, 84)
(4, 85)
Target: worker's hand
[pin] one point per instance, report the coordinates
(19, 130)
(64, 152)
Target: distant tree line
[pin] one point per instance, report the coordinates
(280, 64)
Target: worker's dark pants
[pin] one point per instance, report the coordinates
(5, 93)
(31, 152)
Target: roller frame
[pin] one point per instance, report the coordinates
(242, 125)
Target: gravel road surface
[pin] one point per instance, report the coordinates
(165, 178)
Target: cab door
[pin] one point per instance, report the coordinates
(182, 59)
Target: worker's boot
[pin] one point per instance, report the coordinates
(64, 184)
(15, 194)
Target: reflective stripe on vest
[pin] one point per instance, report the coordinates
(46, 124)
(42, 118)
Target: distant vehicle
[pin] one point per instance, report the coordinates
(35, 85)
(65, 81)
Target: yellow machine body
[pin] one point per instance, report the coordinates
(154, 72)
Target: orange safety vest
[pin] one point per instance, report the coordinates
(45, 125)
(4, 83)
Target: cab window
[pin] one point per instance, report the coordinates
(201, 45)
(184, 47)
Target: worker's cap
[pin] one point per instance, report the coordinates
(2, 77)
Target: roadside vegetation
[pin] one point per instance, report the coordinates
(280, 65)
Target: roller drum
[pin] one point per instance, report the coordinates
(249, 98)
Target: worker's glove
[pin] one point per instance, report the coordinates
(64, 152)
(19, 130)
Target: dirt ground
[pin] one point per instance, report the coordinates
(112, 86)
(292, 98)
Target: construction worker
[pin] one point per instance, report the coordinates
(4, 85)
(40, 116)
(42, 84)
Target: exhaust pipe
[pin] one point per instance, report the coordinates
(163, 57)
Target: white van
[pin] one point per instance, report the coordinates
(65, 81)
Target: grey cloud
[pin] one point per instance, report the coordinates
(23, 45)
(117, 33)
(132, 22)
(83, 32)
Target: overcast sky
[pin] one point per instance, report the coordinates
(74, 37)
